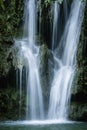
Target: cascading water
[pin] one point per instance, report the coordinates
(57, 26)
(29, 51)
(56, 8)
(64, 62)
(63, 75)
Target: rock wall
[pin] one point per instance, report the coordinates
(11, 21)
(78, 109)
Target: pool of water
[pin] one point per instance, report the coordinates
(41, 125)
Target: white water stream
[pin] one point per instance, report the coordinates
(64, 69)
(63, 76)
(30, 54)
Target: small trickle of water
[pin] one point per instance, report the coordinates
(55, 23)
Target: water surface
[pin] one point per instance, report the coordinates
(42, 126)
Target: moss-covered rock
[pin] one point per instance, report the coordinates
(10, 108)
(80, 81)
(5, 59)
(10, 19)
(46, 71)
(78, 109)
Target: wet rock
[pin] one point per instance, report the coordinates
(78, 111)
(46, 71)
(78, 107)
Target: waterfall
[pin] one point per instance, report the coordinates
(30, 57)
(64, 48)
(64, 73)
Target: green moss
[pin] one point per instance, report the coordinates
(10, 19)
(80, 80)
(78, 109)
(5, 64)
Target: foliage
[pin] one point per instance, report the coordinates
(11, 14)
(10, 104)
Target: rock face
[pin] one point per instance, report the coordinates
(5, 59)
(11, 14)
(78, 109)
(10, 104)
(46, 71)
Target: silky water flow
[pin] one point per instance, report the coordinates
(64, 62)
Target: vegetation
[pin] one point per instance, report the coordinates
(10, 104)
(79, 89)
(11, 14)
